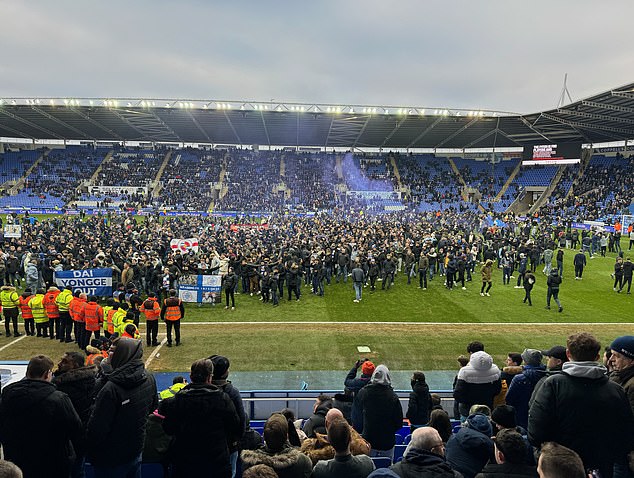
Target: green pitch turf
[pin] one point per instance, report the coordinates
(406, 328)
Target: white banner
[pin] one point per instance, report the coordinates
(184, 245)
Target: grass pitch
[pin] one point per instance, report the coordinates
(406, 328)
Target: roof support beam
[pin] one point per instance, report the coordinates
(606, 106)
(396, 128)
(233, 128)
(60, 122)
(585, 114)
(200, 128)
(29, 123)
(425, 131)
(577, 124)
(532, 127)
(623, 94)
(266, 130)
(456, 133)
(96, 123)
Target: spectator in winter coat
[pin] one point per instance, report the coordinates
(203, 421)
(288, 462)
(580, 406)
(622, 361)
(123, 427)
(317, 421)
(354, 384)
(381, 411)
(477, 383)
(219, 379)
(522, 385)
(419, 405)
(510, 458)
(78, 382)
(33, 408)
(471, 448)
(319, 448)
(425, 457)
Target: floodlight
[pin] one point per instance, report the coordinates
(303, 108)
(422, 112)
(91, 102)
(1, 101)
(65, 101)
(167, 105)
(116, 103)
(445, 112)
(338, 109)
(351, 110)
(153, 104)
(52, 102)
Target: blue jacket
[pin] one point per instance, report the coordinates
(521, 389)
(468, 451)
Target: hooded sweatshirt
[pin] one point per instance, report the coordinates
(122, 405)
(419, 406)
(381, 410)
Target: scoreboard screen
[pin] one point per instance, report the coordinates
(552, 154)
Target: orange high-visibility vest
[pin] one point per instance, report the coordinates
(93, 315)
(151, 309)
(24, 307)
(109, 320)
(173, 312)
(50, 305)
(76, 309)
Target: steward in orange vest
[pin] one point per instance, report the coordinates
(95, 350)
(172, 312)
(152, 311)
(52, 311)
(27, 314)
(108, 323)
(76, 310)
(93, 318)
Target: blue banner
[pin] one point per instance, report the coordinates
(203, 289)
(90, 281)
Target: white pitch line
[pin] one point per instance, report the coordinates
(401, 323)
(155, 352)
(11, 343)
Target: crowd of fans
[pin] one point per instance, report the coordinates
(527, 419)
(250, 178)
(253, 181)
(312, 180)
(188, 178)
(131, 167)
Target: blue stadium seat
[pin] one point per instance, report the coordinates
(382, 461)
(398, 439)
(399, 451)
(408, 439)
(152, 470)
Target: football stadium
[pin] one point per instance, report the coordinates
(269, 288)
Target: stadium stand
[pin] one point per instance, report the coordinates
(311, 179)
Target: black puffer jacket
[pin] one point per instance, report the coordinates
(317, 421)
(202, 419)
(578, 408)
(508, 470)
(122, 407)
(79, 385)
(419, 406)
(37, 425)
(424, 464)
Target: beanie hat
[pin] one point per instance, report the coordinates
(532, 357)
(480, 423)
(624, 345)
(367, 368)
(221, 365)
(504, 415)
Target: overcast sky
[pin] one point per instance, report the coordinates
(497, 54)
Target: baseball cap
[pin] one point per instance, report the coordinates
(558, 352)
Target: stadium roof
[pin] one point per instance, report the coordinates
(605, 117)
